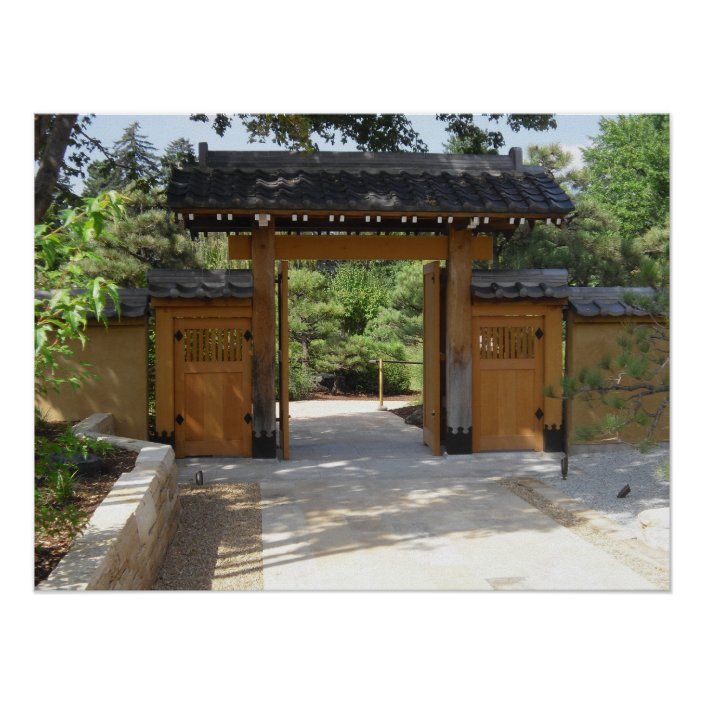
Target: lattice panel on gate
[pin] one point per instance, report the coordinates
(213, 345)
(507, 342)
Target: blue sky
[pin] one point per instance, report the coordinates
(573, 131)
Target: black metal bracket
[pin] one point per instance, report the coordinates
(248, 418)
(248, 335)
(460, 442)
(539, 333)
(178, 335)
(264, 445)
(179, 419)
(554, 438)
(539, 414)
(164, 438)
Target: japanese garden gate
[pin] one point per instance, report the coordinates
(280, 206)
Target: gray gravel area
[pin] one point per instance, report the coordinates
(594, 479)
(218, 544)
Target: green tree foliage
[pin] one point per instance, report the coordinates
(361, 292)
(334, 314)
(178, 153)
(376, 133)
(618, 236)
(314, 317)
(63, 255)
(401, 319)
(148, 237)
(132, 162)
(628, 170)
(558, 162)
(594, 245)
(589, 246)
(313, 313)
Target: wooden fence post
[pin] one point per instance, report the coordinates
(458, 342)
(264, 330)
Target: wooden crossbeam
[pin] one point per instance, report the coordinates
(360, 247)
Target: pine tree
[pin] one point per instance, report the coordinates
(135, 156)
(132, 162)
(178, 153)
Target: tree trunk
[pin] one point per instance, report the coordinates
(51, 159)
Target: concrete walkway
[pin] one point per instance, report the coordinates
(363, 504)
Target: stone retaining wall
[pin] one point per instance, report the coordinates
(124, 544)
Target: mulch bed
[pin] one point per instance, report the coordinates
(90, 491)
(218, 544)
(406, 411)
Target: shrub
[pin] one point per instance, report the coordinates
(55, 481)
(361, 372)
(301, 382)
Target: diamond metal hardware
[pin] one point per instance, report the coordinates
(539, 413)
(539, 333)
(179, 419)
(248, 335)
(248, 418)
(178, 335)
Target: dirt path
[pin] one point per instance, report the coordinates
(218, 545)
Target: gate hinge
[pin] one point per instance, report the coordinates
(539, 414)
(178, 335)
(248, 335)
(179, 419)
(248, 418)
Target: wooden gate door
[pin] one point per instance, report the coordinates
(431, 356)
(508, 382)
(213, 386)
(283, 360)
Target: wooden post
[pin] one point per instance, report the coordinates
(164, 374)
(264, 331)
(284, 434)
(554, 424)
(458, 342)
(381, 406)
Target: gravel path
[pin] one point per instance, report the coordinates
(594, 479)
(218, 544)
(658, 574)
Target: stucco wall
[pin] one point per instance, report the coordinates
(588, 341)
(118, 355)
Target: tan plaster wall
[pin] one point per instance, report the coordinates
(588, 340)
(118, 355)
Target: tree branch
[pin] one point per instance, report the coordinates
(50, 162)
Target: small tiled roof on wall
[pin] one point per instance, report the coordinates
(134, 302)
(591, 301)
(367, 181)
(510, 284)
(200, 283)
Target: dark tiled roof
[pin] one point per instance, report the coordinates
(200, 283)
(133, 302)
(590, 301)
(357, 162)
(513, 284)
(366, 181)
